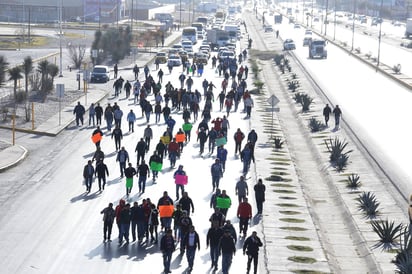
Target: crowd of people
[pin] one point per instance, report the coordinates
(173, 216)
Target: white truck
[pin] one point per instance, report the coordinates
(317, 49)
(233, 31)
(408, 31)
(217, 38)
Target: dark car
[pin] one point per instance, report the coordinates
(100, 74)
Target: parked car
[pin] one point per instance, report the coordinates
(161, 57)
(289, 44)
(268, 28)
(200, 58)
(100, 74)
(174, 60)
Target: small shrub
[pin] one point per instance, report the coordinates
(403, 259)
(298, 97)
(397, 68)
(336, 148)
(289, 68)
(306, 101)
(342, 162)
(388, 233)
(368, 55)
(344, 44)
(358, 50)
(286, 61)
(294, 76)
(4, 112)
(353, 181)
(315, 125)
(278, 142)
(293, 85)
(368, 203)
(258, 84)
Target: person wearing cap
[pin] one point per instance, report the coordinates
(179, 185)
(251, 249)
(217, 172)
(167, 246)
(227, 248)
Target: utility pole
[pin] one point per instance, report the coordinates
(353, 24)
(326, 16)
(380, 35)
(61, 37)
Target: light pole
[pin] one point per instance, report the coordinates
(180, 12)
(131, 19)
(353, 24)
(311, 16)
(100, 13)
(60, 38)
(326, 16)
(380, 35)
(334, 24)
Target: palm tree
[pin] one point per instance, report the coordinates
(15, 75)
(52, 70)
(27, 70)
(3, 68)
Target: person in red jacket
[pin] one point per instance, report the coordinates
(117, 211)
(244, 213)
(174, 151)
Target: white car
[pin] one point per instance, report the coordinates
(174, 60)
(289, 44)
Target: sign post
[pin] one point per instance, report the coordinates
(273, 101)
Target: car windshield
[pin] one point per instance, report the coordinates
(99, 70)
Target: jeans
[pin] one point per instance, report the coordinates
(190, 255)
(157, 116)
(243, 225)
(215, 181)
(107, 230)
(109, 124)
(182, 189)
(122, 168)
(124, 232)
(214, 254)
(259, 205)
(131, 126)
(142, 183)
(226, 262)
(147, 114)
(117, 142)
(167, 257)
(253, 257)
(100, 179)
(88, 182)
(172, 157)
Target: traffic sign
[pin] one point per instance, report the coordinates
(273, 100)
(60, 90)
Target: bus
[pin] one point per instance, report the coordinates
(190, 33)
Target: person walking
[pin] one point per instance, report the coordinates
(217, 173)
(88, 172)
(259, 189)
(180, 180)
(144, 173)
(136, 71)
(174, 151)
(248, 101)
(98, 110)
(191, 242)
(108, 219)
(244, 213)
(202, 138)
(127, 87)
(155, 164)
(186, 203)
(141, 150)
(238, 137)
(130, 171)
(79, 111)
(251, 249)
(228, 249)
(326, 112)
(148, 135)
(124, 221)
(167, 246)
(222, 156)
(101, 172)
(92, 113)
(153, 223)
(212, 239)
(97, 136)
(137, 215)
(98, 155)
(338, 113)
(122, 157)
(118, 114)
(131, 119)
(115, 70)
(223, 202)
(118, 136)
(241, 189)
(108, 116)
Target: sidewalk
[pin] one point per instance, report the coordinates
(12, 155)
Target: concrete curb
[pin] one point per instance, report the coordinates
(13, 151)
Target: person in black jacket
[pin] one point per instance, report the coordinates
(101, 172)
(108, 219)
(88, 172)
(260, 189)
(187, 203)
(167, 246)
(202, 138)
(141, 150)
(212, 239)
(227, 248)
(99, 113)
(79, 111)
(144, 173)
(191, 242)
(251, 249)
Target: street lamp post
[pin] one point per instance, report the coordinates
(334, 24)
(326, 16)
(131, 19)
(353, 24)
(60, 38)
(180, 12)
(380, 35)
